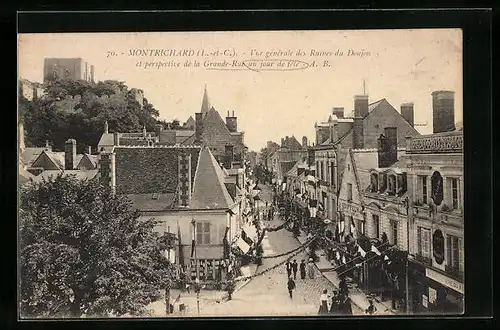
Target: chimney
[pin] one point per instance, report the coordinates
(198, 128)
(116, 139)
(358, 139)
(388, 147)
(47, 144)
(360, 106)
(231, 123)
(443, 111)
(282, 142)
(229, 153)
(310, 156)
(106, 127)
(70, 154)
(339, 112)
(304, 142)
(407, 113)
(89, 150)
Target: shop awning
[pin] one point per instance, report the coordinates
(242, 245)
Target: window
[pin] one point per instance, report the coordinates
(362, 226)
(348, 167)
(332, 173)
(374, 182)
(455, 252)
(437, 188)
(394, 227)
(349, 191)
(422, 179)
(203, 232)
(424, 242)
(319, 170)
(454, 193)
(392, 185)
(376, 224)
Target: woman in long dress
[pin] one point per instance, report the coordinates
(323, 301)
(310, 268)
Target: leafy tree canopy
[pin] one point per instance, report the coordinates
(78, 109)
(83, 250)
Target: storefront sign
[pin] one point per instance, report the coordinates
(445, 280)
(424, 301)
(349, 208)
(432, 295)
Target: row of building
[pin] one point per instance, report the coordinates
(373, 175)
(194, 182)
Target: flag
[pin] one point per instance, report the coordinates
(375, 250)
(353, 231)
(225, 242)
(338, 255)
(181, 254)
(193, 242)
(360, 250)
(343, 260)
(386, 258)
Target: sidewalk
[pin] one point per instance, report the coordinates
(247, 270)
(357, 296)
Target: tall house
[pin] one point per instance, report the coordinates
(67, 68)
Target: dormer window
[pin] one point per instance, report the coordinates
(391, 186)
(401, 184)
(382, 182)
(374, 182)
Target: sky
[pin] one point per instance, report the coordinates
(402, 66)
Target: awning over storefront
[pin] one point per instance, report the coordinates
(242, 245)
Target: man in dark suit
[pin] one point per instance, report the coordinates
(294, 268)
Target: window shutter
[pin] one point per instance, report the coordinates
(419, 240)
(448, 248)
(199, 233)
(207, 233)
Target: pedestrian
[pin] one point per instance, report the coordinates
(346, 306)
(334, 307)
(288, 269)
(302, 269)
(291, 286)
(294, 269)
(344, 291)
(310, 268)
(371, 308)
(323, 303)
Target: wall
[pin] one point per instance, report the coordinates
(74, 66)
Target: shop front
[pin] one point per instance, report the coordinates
(433, 292)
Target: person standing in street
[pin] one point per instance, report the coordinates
(323, 303)
(291, 286)
(288, 269)
(302, 269)
(371, 308)
(310, 268)
(294, 269)
(334, 308)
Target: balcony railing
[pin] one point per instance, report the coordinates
(424, 260)
(455, 273)
(451, 143)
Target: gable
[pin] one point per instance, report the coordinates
(215, 132)
(349, 178)
(382, 116)
(46, 162)
(86, 163)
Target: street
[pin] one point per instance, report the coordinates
(267, 294)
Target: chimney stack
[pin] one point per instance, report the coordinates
(116, 139)
(408, 113)
(282, 142)
(47, 145)
(443, 111)
(339, 112)
(231, 123)
(360, 106)
(106, 131)
(310, 157)
(198, 128)
(304, 142)
(229, 151)
(70, 154)
(89, 150)
(388, 147)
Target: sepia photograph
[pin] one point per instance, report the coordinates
(240, 174)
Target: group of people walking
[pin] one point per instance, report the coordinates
(291, 271)
(336, 304)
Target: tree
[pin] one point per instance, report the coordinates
(84, 250)
(78, 109)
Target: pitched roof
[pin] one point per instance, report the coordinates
(209, 190)
(190, 122)
(293, 170)
(145, 170)
(287, 166)
(107, 139)
(153, 202)
(371, 107)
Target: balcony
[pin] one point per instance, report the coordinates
(450, 142)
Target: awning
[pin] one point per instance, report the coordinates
(242, 245)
